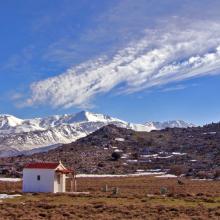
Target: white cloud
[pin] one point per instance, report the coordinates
(164, 55)
(174, 88)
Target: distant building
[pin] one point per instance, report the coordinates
(45, 177)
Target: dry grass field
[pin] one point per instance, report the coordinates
(137, 198)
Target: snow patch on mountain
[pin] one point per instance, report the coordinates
(168, 124)
(8, 121)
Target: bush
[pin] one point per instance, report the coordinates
(202, 175)
(217, 173)
(135, 156)
(163, 190)
(178, 169)
(116, 156)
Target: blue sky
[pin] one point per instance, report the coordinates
(136, 60)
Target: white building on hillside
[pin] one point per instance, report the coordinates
(45, 177)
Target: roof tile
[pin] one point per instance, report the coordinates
(42, 166)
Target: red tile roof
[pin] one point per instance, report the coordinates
(42, 166)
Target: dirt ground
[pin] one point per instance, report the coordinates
(118, 198)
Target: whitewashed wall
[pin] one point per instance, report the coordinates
(62, 186)
(45, 184)
(63, 183)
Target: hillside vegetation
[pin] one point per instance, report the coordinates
(193, 151)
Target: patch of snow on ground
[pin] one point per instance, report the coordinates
(117, 150)
(166, 157)
(132, 161)
(213, 132)
(9, 179)
(153, 170)
(120, 139)
(202, 179)
(178, 153)
(123, 175)
(139, 170)
(124, 156)
(149, 155)
(166, 176)
(6, 196)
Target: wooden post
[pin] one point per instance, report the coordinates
(106, 188)
(71, 186)
(75, 184)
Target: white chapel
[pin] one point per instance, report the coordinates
(45, 177)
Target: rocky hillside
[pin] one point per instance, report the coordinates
(18, 135)
(190, 151)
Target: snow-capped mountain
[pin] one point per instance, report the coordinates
(168, 124)
(18, 135)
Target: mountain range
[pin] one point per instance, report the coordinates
(40, 134)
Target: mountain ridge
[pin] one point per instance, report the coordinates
(17, 135)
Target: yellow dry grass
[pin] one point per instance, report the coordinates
(138, 198)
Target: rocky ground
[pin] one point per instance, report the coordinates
(194, 152)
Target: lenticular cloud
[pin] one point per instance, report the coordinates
(162, 56)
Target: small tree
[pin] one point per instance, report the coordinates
(163, 190)
(116, 156)
(178, 169)
(135, 155)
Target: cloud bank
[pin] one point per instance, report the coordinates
(164, 55)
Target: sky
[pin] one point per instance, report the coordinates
(145, 60)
